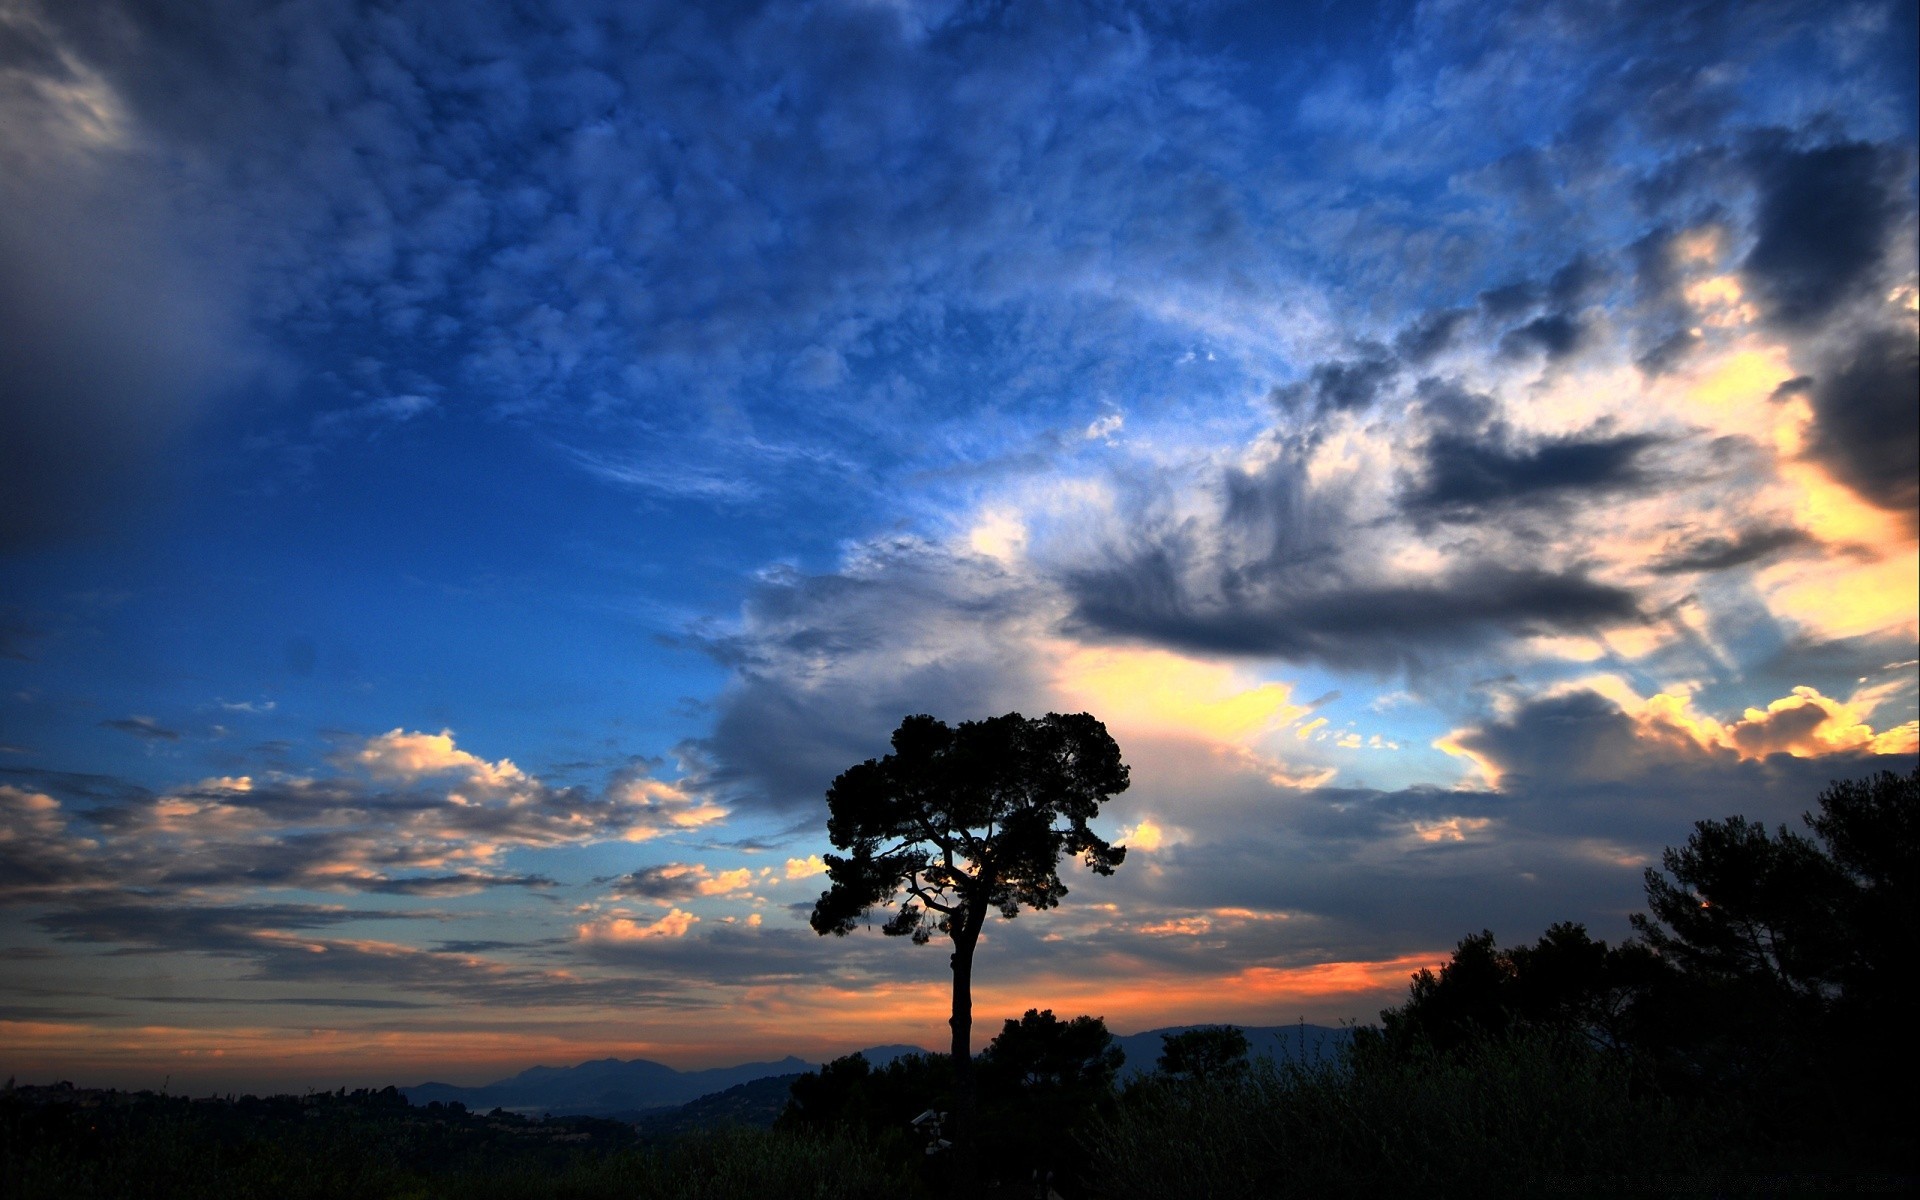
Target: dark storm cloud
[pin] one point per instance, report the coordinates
(1557, 335)
(828, 664)
(1724, 554)
(1822, 230)
(1866, 406)
(1578, 764)
(1430, 334)
(1353, 625)
(1509, 300)
(1578, 282)
(1345, 384)
(1466, 474)
(1669, 353)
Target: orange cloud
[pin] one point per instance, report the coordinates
(397, 754)
(1804, 724)
(801, 868)
(664, 807)
(626, 929)
(723, 882)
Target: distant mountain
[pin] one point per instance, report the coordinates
(639, 1089)
(612, 1087)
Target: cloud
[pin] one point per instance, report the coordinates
(39, 855)
(1825, 218)
(625, 929)
(399, 755)
(1464, 474)
(1726, 553)
(826, 665)
(145, 728)
(415, 815)
(1866, 429)
(1357, 382)
(652, 808)
(805, 868)
(1555, 334)
(682, 881)
(1358, 624)
(1582, 736)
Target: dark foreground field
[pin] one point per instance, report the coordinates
(62, 1143)
(1524, 1117)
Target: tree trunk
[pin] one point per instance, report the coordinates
(965, 1151)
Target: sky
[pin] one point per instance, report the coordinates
(472, 475)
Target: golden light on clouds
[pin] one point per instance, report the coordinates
(627, 929)
(400, 755)
(1157, 691)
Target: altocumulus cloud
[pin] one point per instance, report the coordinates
(410, 814)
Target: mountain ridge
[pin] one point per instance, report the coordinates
(615, 1087)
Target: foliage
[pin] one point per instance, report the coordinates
(1512, 1116)
(85, 1145)
(966, 819)
(1041, 1079)
(1041, 1053)
(1803, 920)
(1211, 1052)
(1567, 982)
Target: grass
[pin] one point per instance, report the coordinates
(1517, 1117)
(163, 1148)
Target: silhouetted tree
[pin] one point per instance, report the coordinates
(1566, 983)
(1746, 908)
(1871, 830)
(1212, 1052)
(1792, 951)
(958, 822)
(1042, 1052)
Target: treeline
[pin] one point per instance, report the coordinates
(66, 1143)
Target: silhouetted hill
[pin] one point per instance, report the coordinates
(753, 1104)
(612, 1087)
(631, 1089)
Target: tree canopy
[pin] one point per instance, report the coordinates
(1208, 1053)
(966, 819)
(960, 821)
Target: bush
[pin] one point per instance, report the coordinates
(1498, 1117)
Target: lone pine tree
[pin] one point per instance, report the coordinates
(958, 822)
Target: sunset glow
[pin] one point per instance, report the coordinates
(469, 483)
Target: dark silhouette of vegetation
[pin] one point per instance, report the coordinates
(1749, 1038)
(1566, 983)
(958, 822)
(1040, 1081)
(1212, 1052)
(63, 1143)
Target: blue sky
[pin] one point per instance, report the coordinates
(473, 476)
